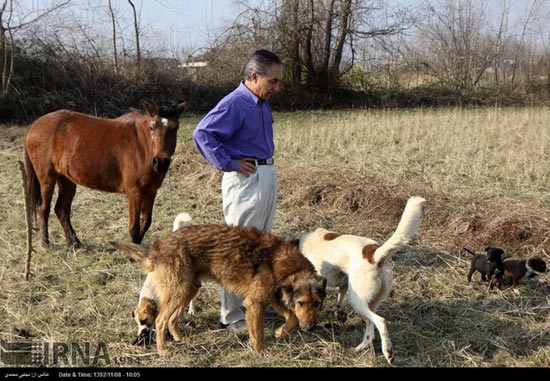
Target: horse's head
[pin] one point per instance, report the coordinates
(163, 125)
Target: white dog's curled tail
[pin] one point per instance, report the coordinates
(180, 220)
(406, 229)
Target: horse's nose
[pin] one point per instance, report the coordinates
(161, 165)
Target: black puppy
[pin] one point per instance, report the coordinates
(488, 265)
(515, 269)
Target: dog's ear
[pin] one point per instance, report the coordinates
(321, 286)
(284, 291)
(322, 281)
(152, 309)
(294, 242)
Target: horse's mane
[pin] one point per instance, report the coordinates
(168, 110)
(164, 110)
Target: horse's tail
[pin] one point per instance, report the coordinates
(33, 186)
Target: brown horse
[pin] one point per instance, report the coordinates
(130, 154)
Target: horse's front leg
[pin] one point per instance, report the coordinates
(146, 216)
(134, 210)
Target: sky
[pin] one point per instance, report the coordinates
(190, 22)
(174, 24)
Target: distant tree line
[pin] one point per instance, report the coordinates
(337, 53)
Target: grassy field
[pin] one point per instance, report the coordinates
(484, 172)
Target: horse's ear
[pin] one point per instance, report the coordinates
(180, 108)
(151, 108)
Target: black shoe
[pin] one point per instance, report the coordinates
(270, 314)
(235, 327)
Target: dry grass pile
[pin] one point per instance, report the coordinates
(368, 205)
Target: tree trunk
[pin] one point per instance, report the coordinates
(308, 56)
(6, 46)
(113, 23)
(340, 41)
(136, 31)
(520, 44)
(296, 65)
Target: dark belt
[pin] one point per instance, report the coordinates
(269, 161)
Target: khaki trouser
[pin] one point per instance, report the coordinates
(247, 201)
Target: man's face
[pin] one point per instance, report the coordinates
(265, 86)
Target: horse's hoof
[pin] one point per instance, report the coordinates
(75, 245)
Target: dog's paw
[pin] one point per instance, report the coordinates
(361, 347)
(191, 309)
(145, 339)
(280, 332)
(388, 354)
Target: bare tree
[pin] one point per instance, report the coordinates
(290, 11)
(136, 31)
(7, 30)
(7, 45)
(521, 39)
(317, 37)
(542, 31)
(498, 62)
(454, 41)
(113, 24)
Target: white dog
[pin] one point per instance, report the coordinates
(146, 311)
(362, 267)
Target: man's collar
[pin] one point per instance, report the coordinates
(253, 96)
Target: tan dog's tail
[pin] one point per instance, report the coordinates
(180, 220)
(406, 229)
(137, 252)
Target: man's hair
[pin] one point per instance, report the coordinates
(260, 62)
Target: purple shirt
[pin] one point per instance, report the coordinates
(241, 125)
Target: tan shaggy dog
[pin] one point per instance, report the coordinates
(363, 268)
(251, 263)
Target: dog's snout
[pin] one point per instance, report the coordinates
(308, 328)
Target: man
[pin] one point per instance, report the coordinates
(236, 137)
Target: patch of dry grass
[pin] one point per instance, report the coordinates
(484, 173)
(497, 152)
